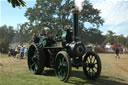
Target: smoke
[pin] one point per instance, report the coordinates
(78, 4)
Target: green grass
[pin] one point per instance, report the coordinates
(15, 72)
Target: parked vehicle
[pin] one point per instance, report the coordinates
(114, 46)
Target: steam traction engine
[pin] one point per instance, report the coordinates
(72, 53)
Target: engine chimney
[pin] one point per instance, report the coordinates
(75, 12)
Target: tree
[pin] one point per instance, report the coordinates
(127, 44)
(93, 36)
(17, 3)
(57, 14)
(109, 37)
(90, 15)
(22, 33)
(6, 36)
(121, 39)
(115, 39)
(4, 44)
(7, 32)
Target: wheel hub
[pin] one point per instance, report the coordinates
(91, 65)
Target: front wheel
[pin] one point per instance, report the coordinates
(63, 66)
(92, 67)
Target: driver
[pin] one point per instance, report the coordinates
(42, 33)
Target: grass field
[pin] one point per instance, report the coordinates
(15, 72)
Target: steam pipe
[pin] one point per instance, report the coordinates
(75, 12)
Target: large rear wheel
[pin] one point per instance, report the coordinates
(63, 66)
(92, 67)
(36, 59)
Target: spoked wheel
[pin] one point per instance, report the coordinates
(92, 68)
(36, 59)
(63, 66)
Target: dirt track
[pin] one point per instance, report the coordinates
(113, 67)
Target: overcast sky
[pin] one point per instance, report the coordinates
(114, 12)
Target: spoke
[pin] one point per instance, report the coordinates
(35, 53)
(31, 58)
(89, 70)
(63, 73)
(95, 67)
(34, 56)
(60, 61)
(64, 64)
(93, 70)
(58, 66)
(93, 60)
(63, 60)
(36, 67)
(59, 73)
(32, 65)
(88, 59)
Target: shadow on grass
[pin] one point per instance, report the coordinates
(102, 80)
(49, 72)
(78, 78)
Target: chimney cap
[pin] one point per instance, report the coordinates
(75, 9)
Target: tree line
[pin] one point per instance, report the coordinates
(21, 34)
(56, 15)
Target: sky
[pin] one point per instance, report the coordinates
(114, 13)
(13, 16)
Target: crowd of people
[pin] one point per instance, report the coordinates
(19, 52)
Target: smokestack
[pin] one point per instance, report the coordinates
(75, 12)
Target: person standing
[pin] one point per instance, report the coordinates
(117, 53)
(124, 50)
(26, 52)
(21, 52)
